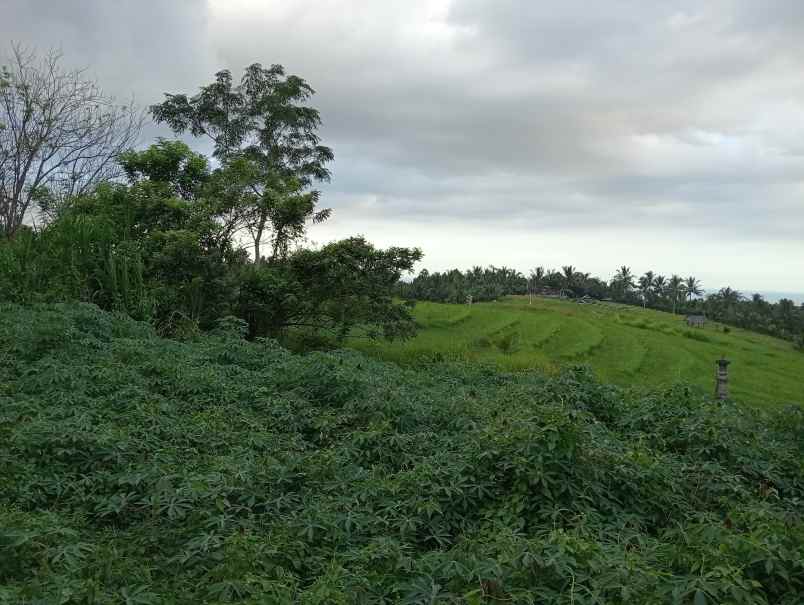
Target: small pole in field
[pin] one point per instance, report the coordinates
(722, 379)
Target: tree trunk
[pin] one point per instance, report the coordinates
(257, 235)
(257, 250)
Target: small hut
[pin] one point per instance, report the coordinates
(696, 321)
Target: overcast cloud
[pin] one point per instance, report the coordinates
(662, 135)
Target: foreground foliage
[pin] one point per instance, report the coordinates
(142, 470)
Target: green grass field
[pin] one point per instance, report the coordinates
(625, 345)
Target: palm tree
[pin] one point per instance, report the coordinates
(659, 285)
(646, 286)
(569, 277)
(675, 289)
(786, 309)
(692, 287)
(759, 302)
(554, 279)
(535, 280)
(623, 281)
(729, 296)
(582, 282)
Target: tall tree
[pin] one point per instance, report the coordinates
(692, 287)
(60, 135)
(623, 282)
(266, 138)
(785, 310)
(659, 286)
(759, 302)
(730, 296)
(535, 281)
(646, 287)
(675, 290)
(568, 277)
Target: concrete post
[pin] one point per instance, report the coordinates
(722, 379)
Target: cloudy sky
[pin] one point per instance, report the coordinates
(662, 135)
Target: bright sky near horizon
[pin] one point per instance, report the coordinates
(661, 135)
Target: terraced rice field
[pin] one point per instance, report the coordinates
(625, 345)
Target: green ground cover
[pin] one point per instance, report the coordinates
(137, 470)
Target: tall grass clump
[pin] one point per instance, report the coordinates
(76, 258)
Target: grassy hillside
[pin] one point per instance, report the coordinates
(136, 470)
(623, 344)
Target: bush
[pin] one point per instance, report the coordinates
(696, 335)
(343, 288)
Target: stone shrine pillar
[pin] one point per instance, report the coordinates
(722, 379)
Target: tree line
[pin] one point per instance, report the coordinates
(480, 284)
(675, 294)
(168, 235)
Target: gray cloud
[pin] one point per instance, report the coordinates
(534, 126)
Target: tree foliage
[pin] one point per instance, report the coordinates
(161, 248)
(266, 138)
(344, 288)
(478, 283)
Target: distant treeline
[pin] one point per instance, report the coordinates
(456, 287)
(674, 294)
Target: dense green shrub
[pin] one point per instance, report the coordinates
(127, 249)
(343, 288)
(142, 470)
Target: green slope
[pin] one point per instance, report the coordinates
(623, 344)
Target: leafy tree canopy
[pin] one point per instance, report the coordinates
(266, 137)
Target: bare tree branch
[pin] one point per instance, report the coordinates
(60, 134)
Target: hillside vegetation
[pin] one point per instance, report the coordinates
(142, 470)
(624, 344)
(675, 294)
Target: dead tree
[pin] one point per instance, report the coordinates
(59, 135)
